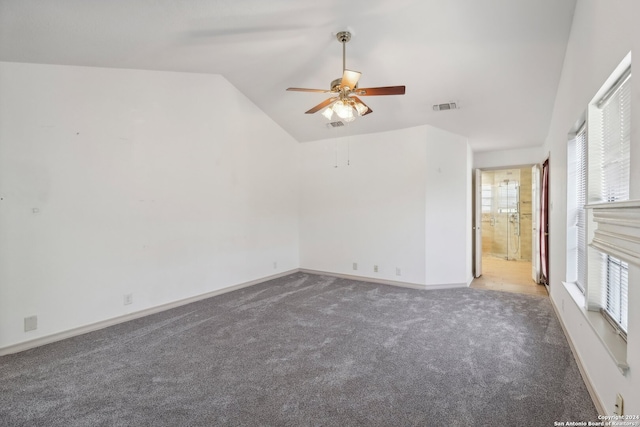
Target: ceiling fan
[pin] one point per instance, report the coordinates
(345, 91)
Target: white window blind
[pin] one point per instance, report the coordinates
(617, 291)
(581, 200)
(615, 140)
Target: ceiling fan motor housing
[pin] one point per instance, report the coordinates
(337, 83)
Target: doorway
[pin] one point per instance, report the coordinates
(505, 221)
(506, 214)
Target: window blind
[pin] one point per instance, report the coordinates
(617, 291)
(615, 141)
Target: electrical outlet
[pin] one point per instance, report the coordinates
(355, 265)
(275, 264)
(375, 268)
(30, 323)
(398, 271)
(619, 408)
(128, 299)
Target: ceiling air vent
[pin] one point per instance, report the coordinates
(442, 107)
(334, 125)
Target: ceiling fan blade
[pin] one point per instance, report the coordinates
(375, 91)
(320, 106)
(302, 89)
(350, 79)
(369, 110)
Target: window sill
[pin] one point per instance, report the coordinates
(612, 342)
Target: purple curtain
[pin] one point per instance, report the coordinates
(544, 225)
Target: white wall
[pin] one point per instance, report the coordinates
(503, 158)
(602, 34)
(400, 203)
(125, 181)
(448, 214)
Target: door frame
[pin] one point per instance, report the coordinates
(544, 224)
(477, 222)
(536, 174)
(477, 215)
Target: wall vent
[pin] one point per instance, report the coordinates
(334, 125)
(448, 106)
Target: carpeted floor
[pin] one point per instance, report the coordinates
(309, 350)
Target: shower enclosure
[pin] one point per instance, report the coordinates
(503, 202)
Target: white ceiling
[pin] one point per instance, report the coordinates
(500, 60)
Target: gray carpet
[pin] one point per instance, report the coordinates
(309, 350)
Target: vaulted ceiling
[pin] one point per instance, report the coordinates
(499, 60)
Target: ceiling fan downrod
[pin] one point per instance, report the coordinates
(343, 37)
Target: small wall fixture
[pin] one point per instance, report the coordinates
(442, 107)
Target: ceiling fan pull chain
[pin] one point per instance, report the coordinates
(348, 131)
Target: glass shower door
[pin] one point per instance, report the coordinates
(506, 219)
(499, 223)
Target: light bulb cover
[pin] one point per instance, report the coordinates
(328, 113)
(349, 118)
(341, 109)
(344, 110)
(361, 108)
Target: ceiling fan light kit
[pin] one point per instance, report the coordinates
(344, 103)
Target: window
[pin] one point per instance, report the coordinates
(613, 115)
(615, 140)
(508, 197)
(599, 161)
(581, 200)
(487, 198)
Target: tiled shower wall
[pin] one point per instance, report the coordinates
(525, 213)
(497, 236)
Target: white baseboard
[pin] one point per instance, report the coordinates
(447, 286)
(585, 377)
(469, 281)
(364, 279)
(48, 339)
(384, 281)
